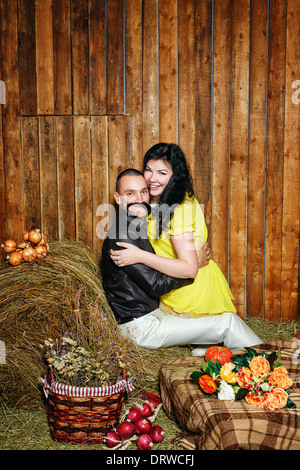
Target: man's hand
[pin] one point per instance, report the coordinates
(204, 254)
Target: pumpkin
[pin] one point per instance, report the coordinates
(221, 353)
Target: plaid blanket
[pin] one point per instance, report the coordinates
(212, 424)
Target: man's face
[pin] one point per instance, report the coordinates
(132, 188)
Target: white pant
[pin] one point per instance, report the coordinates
(159, 329)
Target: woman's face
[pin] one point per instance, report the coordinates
(157, 174)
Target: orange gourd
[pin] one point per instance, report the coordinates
(221, 353)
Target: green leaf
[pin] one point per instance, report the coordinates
(271, 358)
(251, 353)
(290, 404)
(278, 364)
(279, 353)
(242, 392)
(239, 361)
(213, 370)
(196, 375)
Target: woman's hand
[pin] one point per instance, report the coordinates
(131, 254)
(203, 254)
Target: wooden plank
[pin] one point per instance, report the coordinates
(274, 169)
(115, 57)
(31, 170)
(100, 195)
(3, 233)
(291, 183)
(97, 56)
(203, 72)
(187, 63)
(134, 77)
(238, 153)
(80, 56)
(65, 177)
(118, 149)
(27, 57)
(221, 133)
(168, 71)
(44, 56)
(10, 118)
(150, 75)
(256, 165)
(62, 57)
(133, 52)
(82, 167)
(48, 177)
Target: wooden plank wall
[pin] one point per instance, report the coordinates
(92, 84)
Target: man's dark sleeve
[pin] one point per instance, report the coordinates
(155, 282)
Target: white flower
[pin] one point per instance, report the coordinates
(265, 387)
(226, 392)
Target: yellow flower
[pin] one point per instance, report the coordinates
(227, 374)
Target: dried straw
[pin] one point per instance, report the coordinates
(38, 300)
(41, 299)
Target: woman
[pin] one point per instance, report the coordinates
(176, 229)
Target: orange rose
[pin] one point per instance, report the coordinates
(207, 384)
(259, 365)
(280, 378)
(244, 376)
(277, 398)
(256, 399)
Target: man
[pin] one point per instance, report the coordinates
(133, 291)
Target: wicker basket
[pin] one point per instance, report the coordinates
(82, 415)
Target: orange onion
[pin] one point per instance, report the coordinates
(25, 236)
(43, 240)
(29, 254)
(35, 236)
(41, 251)
(15, 258)
(23, 245)
(9, 246)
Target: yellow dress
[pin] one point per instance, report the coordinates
(209, 293)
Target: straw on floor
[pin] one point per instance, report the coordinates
(38, 300)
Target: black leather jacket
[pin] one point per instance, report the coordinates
(133, 291)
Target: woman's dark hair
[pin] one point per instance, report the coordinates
(180, 182)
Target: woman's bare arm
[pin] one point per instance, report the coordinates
(184, 266)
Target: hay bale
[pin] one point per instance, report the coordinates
(39, 299)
